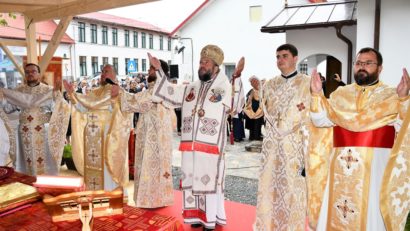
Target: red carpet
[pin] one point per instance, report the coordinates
(240, 217)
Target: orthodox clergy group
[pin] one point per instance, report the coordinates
(337, 163)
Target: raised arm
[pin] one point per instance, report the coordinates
(171, 95)
(24, 100)
(238, 98)
(317, 114)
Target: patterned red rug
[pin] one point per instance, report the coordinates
(240, 217)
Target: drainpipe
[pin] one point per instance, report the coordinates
(349, 52)
(377, 25)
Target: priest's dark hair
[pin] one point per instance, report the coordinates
(288, 47)
(33, 64)
(378, 55)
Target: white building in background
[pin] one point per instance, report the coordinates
(102, 38)
(319, 45)
(90, 41)
(235, 27)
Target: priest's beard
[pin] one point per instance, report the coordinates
(205, 76)
(364, 78)
(33, 83)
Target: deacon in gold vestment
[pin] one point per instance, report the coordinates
(153, 146)
(282, 196)
(100, 133)
(356, 180)
(42, 124)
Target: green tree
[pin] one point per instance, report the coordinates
(3, 21)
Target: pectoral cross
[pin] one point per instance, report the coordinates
(193, 111)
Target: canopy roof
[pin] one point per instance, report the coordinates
(40, 10)
(313, 16)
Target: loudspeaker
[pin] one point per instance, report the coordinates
(174, 71)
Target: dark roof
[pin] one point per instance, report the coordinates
(313, 16)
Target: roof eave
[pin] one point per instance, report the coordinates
(281, 29)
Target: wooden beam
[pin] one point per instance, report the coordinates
(36, 2)
(30, 28)
(14, 8)
(12, 58)
(54, 42)
(79, 7)
(13, 42)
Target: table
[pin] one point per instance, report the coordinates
(37, 218)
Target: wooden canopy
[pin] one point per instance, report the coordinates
(42, 10)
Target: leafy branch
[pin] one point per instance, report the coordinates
(3, 21)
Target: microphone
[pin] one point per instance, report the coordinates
(109, 81)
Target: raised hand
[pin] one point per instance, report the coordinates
(315, 82)
(239, 68)
(404, 85)
(68, 86)
(154, 62)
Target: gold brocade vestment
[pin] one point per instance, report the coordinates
(282, 196)
(153, 150)
(349, 169)
(100, 134)
(42, 127)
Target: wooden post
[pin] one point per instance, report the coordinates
(30, 28)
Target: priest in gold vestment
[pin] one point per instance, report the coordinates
(42, 124)
(359, 166)
(100, 133)
(153, 146)
(282, 196)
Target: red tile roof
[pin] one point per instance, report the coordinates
(112, 19)
(44, 30)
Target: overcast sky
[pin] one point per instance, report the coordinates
(166, 14)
